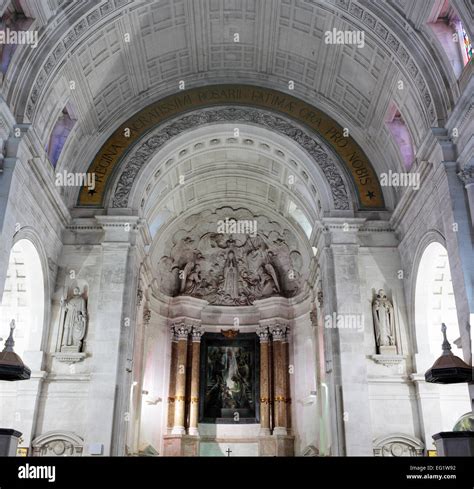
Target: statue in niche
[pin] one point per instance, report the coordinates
(73, 322)
(231, 278)
(384, 322)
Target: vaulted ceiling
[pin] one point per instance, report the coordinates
(108, 59)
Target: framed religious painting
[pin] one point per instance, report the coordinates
(230, 377)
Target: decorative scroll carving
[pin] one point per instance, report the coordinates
(146, 317)
(152, 144)
(230, 333)
(398, 445)
(57, 444)
(231, 269)
(139, 296)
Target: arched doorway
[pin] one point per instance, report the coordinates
(24, 301)
(435, 304)
(23, 298)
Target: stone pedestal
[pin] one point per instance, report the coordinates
(8, 442)
(181, 446)
(454, 443)
(276, 446)
(390, 351)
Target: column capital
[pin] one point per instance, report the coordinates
(263, 333)
(467, 175)
(197, 332)
(180, 330)
(279, 331)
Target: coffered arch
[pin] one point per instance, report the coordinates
(177, 41)
(212, 165)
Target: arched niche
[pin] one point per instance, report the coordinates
(24, 300)
(434, 304)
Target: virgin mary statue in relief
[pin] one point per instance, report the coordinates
(231, 278)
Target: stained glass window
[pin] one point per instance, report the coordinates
(467, 44)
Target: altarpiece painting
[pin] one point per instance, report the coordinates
(230, 373)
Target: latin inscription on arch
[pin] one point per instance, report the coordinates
(357, 163)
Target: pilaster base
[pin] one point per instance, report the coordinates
(178, 430)
(181, 446)
(276, 446)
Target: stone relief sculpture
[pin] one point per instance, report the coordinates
(398, 445)
(73, 322)
(58, 444)
(384, 323)
(230, 269)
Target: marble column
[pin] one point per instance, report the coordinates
(172, 384)
(278, 332)
(286, 379)
(264, 334)
(182, 331)
(194, 405)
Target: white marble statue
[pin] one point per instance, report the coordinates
(73, 321)
(384, 320)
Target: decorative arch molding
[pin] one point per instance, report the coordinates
(108, 159)
(310, 191)
(398, 445)
(57, 444)
(144, 151)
